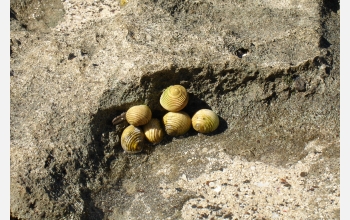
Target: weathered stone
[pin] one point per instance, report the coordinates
(76, 65)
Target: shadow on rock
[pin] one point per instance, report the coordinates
(91, 212)
(222, 127)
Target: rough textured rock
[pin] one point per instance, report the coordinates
(269, 69)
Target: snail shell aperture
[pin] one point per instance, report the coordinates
(205, 121)
(174, 98)
(132, 139)
(138, 115)
(177, 123)
(154, 132)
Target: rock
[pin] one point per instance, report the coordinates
(299, 84)
(76, 65)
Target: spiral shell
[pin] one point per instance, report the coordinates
(177, 123)
(205, 121)
(138, 115)
(132, 139)
(154, 132)
(174, 98)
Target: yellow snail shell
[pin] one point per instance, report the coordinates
(153, 130)
(177, 123)
(205, 121)
(174, 98)
(138, 115)
(132, 139)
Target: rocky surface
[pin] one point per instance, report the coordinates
(269, 69)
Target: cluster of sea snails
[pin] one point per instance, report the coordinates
(176, 122)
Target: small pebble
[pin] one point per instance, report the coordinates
(217, 189)
(303, 174)
(299, 84)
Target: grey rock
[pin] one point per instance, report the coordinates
(299, 84)
(269, 69)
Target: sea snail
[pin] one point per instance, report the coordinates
(205, 121)
(132, 139)
(153, 130)
(138, 115)
(174, 98)
(176, 123)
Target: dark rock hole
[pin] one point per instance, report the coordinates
(71, 56)
(241, 52)
(13, 14)
(332, 5)
(324, 43)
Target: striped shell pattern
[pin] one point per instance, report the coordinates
(177, 123)
(205, 121)
(132, 139)
(174, 98)
(154, 132)
(138, 115)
